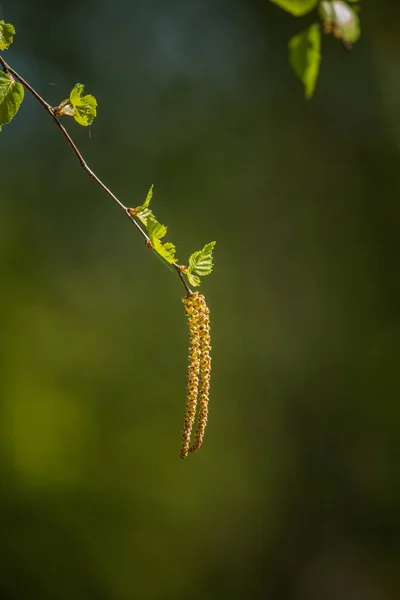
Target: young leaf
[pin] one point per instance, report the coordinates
(143, 212)
(144, 215)
(201, 262)
(193, 279)
(305, 56)
(84, 105)
(11, 96)
(156, 232)
(296, 7)
(148, 198)
(167, 251)
(7, 32)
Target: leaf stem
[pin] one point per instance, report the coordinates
(7, 69)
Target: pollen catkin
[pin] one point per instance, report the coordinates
(198, 372)
(205, 373)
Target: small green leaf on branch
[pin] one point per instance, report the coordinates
(85, 105)
(143, 212)
(305, 57)
(11, 96)
(201, 262)
(81, 107)
(7, 32)
(156, 232)
(193, 279)
(149, 196)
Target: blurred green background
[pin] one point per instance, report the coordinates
(296, 491)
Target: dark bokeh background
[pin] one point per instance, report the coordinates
(296, 493)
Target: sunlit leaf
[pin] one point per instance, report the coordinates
(305, 57)
(11, 96)
(296, 7)
(144, 215)
(201, 262)
(142, 212)
(7, 32)
(84, 105)
(156, 232)
(193, 279)
(148, 197)
(167, 251)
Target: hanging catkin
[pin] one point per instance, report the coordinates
(199, 370)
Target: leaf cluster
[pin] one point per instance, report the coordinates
(335, 17)
(200, 262)
(82, 107)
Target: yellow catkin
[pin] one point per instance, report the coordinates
(192, 372)
(199, 370)
(205, 373)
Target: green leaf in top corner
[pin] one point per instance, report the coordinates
(7, 32)
(201, 262)
(11, 96)
(305, 57)
(297, 7)
(326, 12)
(156, 232)
(347, 21)
(85, 106)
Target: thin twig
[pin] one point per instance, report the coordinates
(83, 163)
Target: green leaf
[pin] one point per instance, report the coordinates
(347, 21)
(305, 57)
(297, 7)
(144, 215)
(7, 32)
(193, 279)
(201, 262)
(167, 251)
(148, 197)
(156, 232)
(142, 212)
(11, 96)
(84, 105)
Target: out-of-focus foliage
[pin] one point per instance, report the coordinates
(295, 493)
(296, 7)
(337, 17)
(305, 56)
